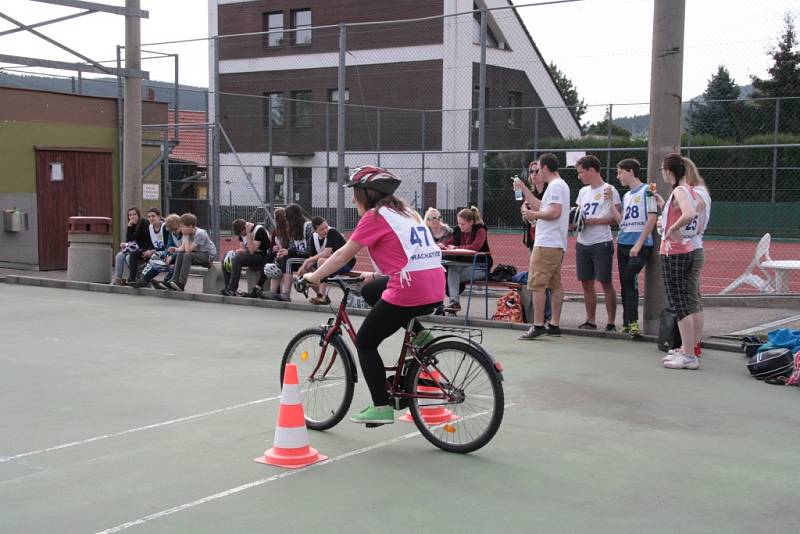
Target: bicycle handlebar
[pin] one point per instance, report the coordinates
(301, 284)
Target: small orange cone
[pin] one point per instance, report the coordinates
(433, 415)
(290, 448)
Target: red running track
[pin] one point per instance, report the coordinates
(725, 261)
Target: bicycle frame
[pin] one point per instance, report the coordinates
(396, 390)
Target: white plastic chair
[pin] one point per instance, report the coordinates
(765, 284)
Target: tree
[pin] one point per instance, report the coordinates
(719, 113)
(568, 91)
(601, 129)
(784, 81)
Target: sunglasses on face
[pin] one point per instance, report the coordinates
(434, 218)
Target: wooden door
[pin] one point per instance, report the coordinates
(68, 183)
(301, 187)
(429, 201)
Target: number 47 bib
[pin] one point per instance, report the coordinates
(416, 239)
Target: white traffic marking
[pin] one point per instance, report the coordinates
(261, 482)
(4, 459)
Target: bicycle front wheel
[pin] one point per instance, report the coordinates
(472, 414)
(326, 380)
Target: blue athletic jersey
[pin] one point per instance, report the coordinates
(636, 204)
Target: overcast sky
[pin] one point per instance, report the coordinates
(602, 45)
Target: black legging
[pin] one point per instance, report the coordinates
(629, 269)
(382, 321)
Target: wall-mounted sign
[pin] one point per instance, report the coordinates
(151, 191)
(56, 172)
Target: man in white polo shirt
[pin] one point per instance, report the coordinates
(552, 219)
(594, 253)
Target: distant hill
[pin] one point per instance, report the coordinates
(639, 125)
(190, 98)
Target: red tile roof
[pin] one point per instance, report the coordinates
(193, 140)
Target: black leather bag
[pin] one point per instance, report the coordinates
(669, 337)
(773, 366)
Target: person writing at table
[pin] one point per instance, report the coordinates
(470, 234)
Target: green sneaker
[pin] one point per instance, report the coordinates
(423, 338)
(633, 330)
(625, 329)
(380, 415)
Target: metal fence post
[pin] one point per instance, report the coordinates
(327, 160)
(422, 173)
(270, 196)
(775, 149)
(341, 223)
(482, 110)
(378, 136)
(536, 133)
(165, 168)
(608, 153)
(215, 148)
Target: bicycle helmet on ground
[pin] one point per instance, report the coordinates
(371, 177)
(271, 270)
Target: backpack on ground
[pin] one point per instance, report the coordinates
(773, 366)
(669, 337)
(509, 308)
(503, 273)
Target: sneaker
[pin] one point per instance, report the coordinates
(423, 337)
(587, 326)
(380, 415)
(158, 285)
(139, 283)
(534, 332)
(120, 282)
(283, 298)
(682, 361)
(626, 329)
(633, 330)
(228, 293)
(553, 330)
(611, 328)
(255, 293)
(453, 307)
(175, 286)
(439, 310)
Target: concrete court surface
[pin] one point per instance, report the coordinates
(126, 414)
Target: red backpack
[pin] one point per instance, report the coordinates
(509, 308)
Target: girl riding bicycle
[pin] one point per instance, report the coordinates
(409, 281)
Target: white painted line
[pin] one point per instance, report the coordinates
(766, 326)
(4, 459)
(261, 482)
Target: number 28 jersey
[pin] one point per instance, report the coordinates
(402, 247)
(636, 204)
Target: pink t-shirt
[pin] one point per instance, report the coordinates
(426, 287)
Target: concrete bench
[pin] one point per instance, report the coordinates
(214, 281)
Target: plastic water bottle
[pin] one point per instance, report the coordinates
(517, 193)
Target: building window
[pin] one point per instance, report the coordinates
(491, 39)
(333, 95)
(332, 176)
(301, 109)
(273, 108)
(278, 191)
(273, 23)
(514, 110)
(301, 23)
(476, 106)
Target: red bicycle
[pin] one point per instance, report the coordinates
(452, 387)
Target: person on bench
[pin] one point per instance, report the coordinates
(253, 254)
(324, 242)
(196, 249)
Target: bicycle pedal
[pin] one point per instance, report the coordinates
(373, 425)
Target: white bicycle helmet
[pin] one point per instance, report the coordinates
(271, 270)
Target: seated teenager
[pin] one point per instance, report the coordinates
(300, 232)
(470, 234)
(196, 248)
(253, 254)
(324, 242)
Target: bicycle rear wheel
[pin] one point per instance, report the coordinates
(326, 382)
(473, 415)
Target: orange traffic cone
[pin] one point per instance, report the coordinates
(290, 447)
(432, 415)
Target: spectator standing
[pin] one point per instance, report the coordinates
(594, 254)
(634, 241)
(678, 227)
(552, 219)
(696, 181)
(537, 187)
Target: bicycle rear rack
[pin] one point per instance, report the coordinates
(475, 335)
